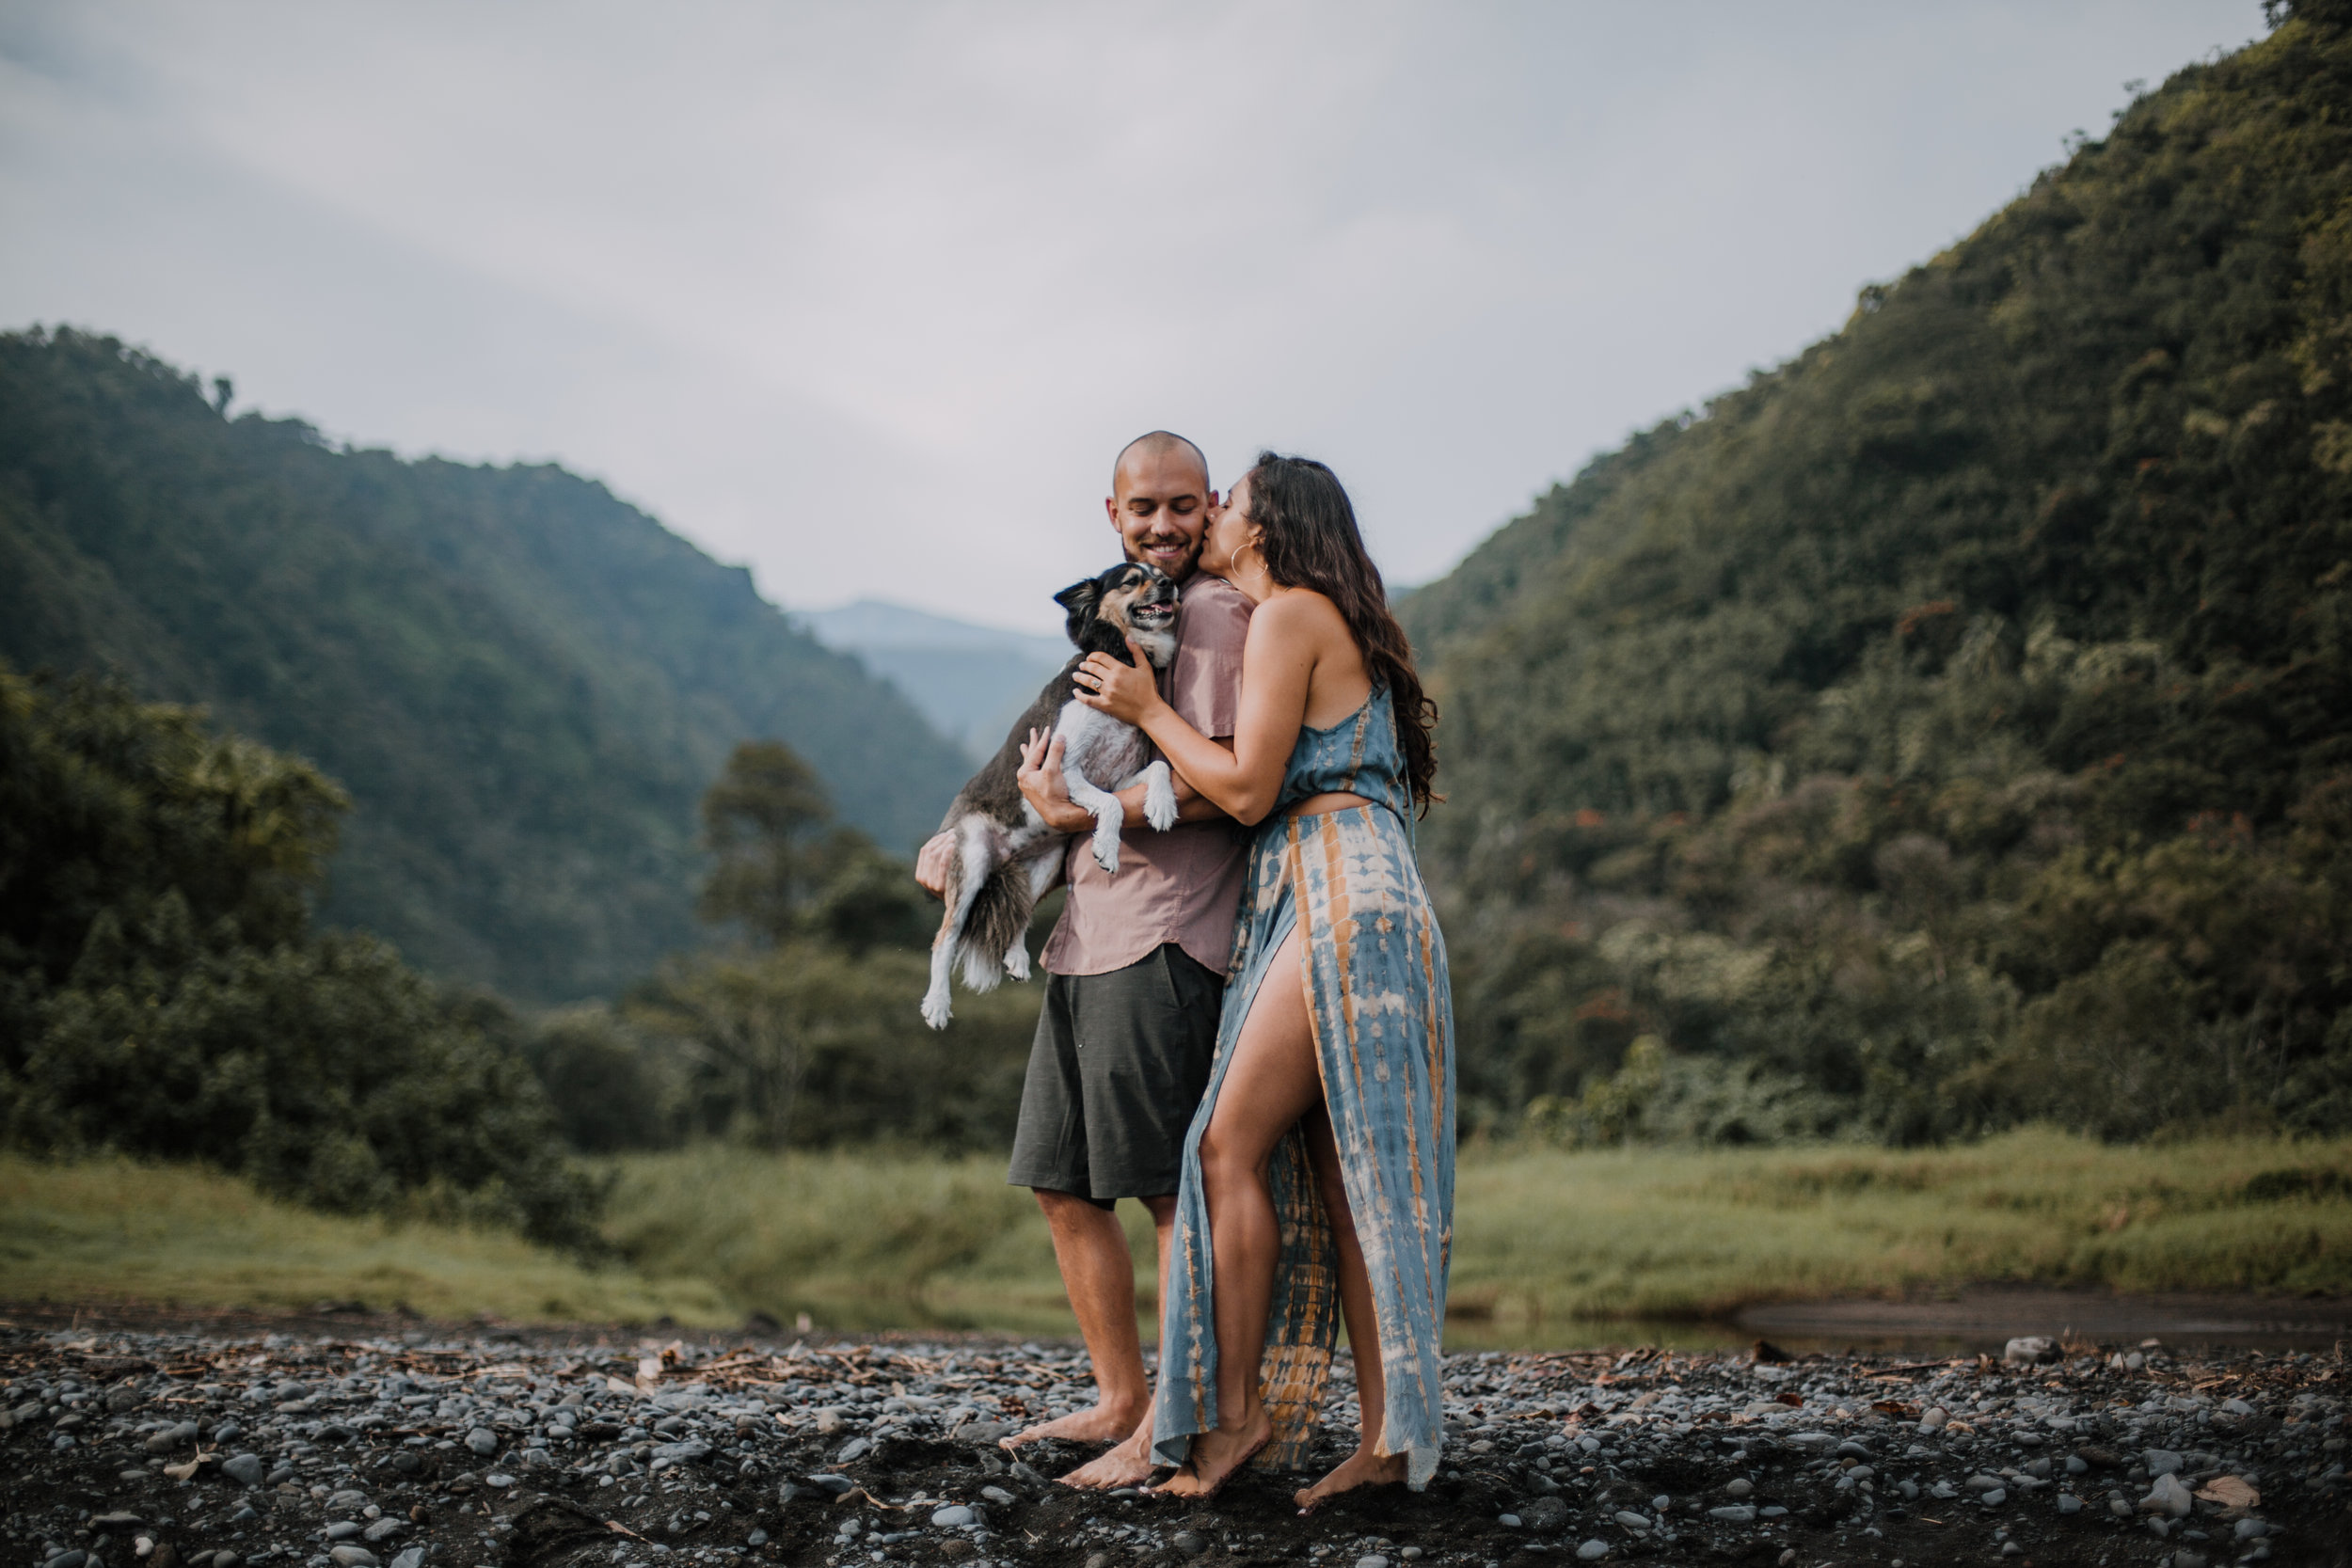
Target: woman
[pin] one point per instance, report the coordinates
(1321, 1162)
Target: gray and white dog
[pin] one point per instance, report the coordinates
(1004, 854)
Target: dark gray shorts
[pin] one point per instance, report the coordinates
(1117, 1072)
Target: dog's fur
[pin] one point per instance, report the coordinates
(1004, 854)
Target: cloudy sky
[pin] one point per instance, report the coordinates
(866, 294)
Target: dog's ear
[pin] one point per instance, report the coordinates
(1079, 597)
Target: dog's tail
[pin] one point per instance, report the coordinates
(999, 920)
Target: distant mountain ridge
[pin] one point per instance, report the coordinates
(971, 681)
(524, 682)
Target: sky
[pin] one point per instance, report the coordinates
(865, 296)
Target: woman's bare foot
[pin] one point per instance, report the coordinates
(1361, 1468)
(1096, 1423)
(1215, 1455)
(1128, 1465)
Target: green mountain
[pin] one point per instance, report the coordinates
(524, 683)
(1954, 724)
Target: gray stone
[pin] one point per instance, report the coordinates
(351, 1557)
(983, 1432)
(1371, 1559)
(2167, 1499)
(1545, 1516)
(483, 1441)
(1190, 1542)
(838, 1485)
(681, 1454)
(2069, 1505)
(1628, 1519)
(347, 1501)
(1984, 1484)
(1508, 1521)
(997, 1494)
(1852, 1449)
(1737, 1513)
(384, 1529)
(2031, 1350)
(1809, 1441)
(1739, 1486)
(1995, 1498)
(954, 1516)
(2160, 1462)
(829, 1421)
(498, 1479)
(1593, 1551)
(171, 1437)
(1933, 1418)
(2250, 1530)
(343, 1529)
(2188, 1560)
(245, 1469)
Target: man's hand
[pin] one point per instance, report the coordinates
(931, 862)
(1045, 789)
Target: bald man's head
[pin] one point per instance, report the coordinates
(1157, 446)
(1159, 501)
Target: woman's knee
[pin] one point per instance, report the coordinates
(1227, 1160)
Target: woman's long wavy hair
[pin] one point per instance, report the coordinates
(1310, 541)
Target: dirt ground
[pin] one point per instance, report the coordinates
(345, 1442)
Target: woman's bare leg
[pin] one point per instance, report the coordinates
(1367, 1466)
(1272, 1081)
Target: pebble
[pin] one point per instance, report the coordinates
(1190, 1542)
(1995, 1498)
(483, 1441)
(2167, 1497)
(1593, 1551)
(2069, 1505)
(351, 1557)
(2160, 1462)
(2250, 1530)
(1739, 1486)
(954, 1516)
(412, 1557)
(1735, 1514)
(1371, 1559)
(383, 1530)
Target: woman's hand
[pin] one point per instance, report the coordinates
(1045, 789)
(1128, 692)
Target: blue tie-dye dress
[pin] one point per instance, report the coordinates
(1383, 1019)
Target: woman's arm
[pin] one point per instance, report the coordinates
(1278, 666)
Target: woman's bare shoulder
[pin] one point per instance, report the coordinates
(1301, 612)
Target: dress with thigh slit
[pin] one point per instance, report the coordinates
(1372, 967)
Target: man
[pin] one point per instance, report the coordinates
(1134, 976)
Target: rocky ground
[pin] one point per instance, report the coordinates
(225, 1448)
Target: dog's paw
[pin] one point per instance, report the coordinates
(1106, 850)
(935, 1010)
(1017, 962)
(1159, 798)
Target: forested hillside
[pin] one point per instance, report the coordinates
(1953, 725)
(524, 683)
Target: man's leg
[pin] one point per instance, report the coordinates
(1090, 1246)
(1130, 1462)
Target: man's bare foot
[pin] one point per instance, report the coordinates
(1128, 1465)
(1215, 1455)
(1096, 1423)
(1361, 1468)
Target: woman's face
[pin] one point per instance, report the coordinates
(1230, 529)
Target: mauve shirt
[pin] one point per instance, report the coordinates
(1183, 885)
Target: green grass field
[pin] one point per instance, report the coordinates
(1546, 1242)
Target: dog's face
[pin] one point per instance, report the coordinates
(1137, 599)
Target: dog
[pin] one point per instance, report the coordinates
(1004, 854)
